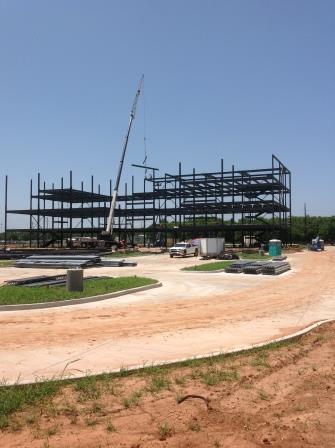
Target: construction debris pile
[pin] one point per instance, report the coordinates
(258, 267)
(70, 261)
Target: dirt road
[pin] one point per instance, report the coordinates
(193, 313)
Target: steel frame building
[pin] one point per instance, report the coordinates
(252, 203)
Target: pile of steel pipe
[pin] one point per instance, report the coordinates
(275, 267)
(116, 262)
(34, 280)
(258, 267)
(59, 261)
(70, 261)
(44, 280)
(279, 258)
(254, 268)
(238, 266)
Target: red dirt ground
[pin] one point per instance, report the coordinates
(279, 397)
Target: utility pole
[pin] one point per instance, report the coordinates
(305, 222)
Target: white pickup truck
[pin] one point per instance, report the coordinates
(183, 249)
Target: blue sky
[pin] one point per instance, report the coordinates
(238, 80)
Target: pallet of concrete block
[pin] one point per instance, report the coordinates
(254, 268)
(238, 266)
(275, 267)
(59, 261)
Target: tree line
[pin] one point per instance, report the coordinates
(303, 229)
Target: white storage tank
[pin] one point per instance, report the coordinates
(211, 247)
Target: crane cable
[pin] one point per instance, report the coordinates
(144, 132)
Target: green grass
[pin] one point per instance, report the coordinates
(180, 381)
(6, 263)
(218, 265)
(164, 431)
(10, 295)
(87, 388)
(127, 253)
(214, 376)
(18, 397)
(260, 361)
(215, 266)
(253, 256)
(13, 398)
(133, 399)
(110, 427)
(158, 383)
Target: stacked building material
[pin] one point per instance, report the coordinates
(60, 282)
(117, 262)
(279, 258)
(238, 266)
(44, 280)
(258, 267)
(59, 261)
(275, 267)
(254, 268)
(33, 280)
(129, 264)
(71, 261)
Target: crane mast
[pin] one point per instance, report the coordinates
(110, 221)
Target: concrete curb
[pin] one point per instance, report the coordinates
(242, 348)
(217, 353)
(237, 350)
(217, 271)
(78, 301)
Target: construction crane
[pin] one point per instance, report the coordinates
(110, 221)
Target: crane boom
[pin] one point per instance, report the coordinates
(110, 221)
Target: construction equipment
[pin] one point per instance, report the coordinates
(85, 242)
(108, 233)
(317, 244)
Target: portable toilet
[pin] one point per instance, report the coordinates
(274, 248)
